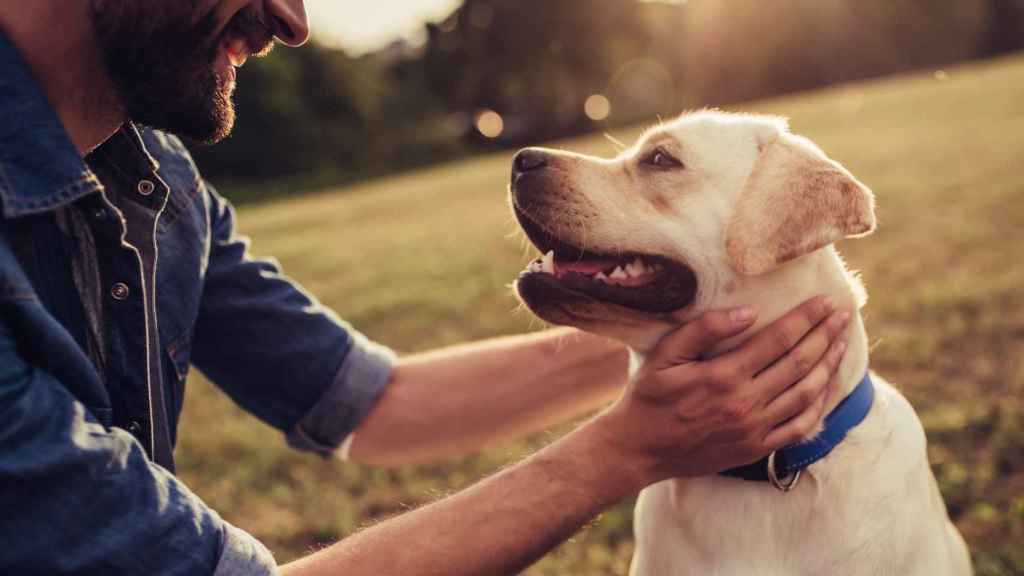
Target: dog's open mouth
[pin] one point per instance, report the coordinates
(643, 282)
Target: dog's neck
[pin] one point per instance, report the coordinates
(776, 293)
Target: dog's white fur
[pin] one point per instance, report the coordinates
(754, 212)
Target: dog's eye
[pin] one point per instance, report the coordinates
(659, 158)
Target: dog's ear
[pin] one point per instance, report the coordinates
(796, 201)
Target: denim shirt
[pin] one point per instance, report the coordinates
(82, 488)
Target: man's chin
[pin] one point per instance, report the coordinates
(200, 120)
(218, 127)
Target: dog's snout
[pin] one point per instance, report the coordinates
(529, 160)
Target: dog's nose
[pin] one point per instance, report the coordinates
(529, 160)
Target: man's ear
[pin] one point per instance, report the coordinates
(796, 201)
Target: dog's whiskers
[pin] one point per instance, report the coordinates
(618, 143)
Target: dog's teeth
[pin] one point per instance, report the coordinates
(548, 262)
(619, 273)
(601, 276)
(636, 268)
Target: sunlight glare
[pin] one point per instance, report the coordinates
(360, 27)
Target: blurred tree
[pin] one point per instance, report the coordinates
(746, 49)
(319, 116)
(533, 61)
(297, 111)
(1006, 31)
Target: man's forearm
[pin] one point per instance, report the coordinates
(499, 526)
(678, 418)
(460, 399)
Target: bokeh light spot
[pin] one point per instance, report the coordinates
(489, 123)
(597, 107)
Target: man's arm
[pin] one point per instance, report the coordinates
(459, 399)
(78, 498)
(678, 418)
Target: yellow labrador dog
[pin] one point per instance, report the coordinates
(715, 211)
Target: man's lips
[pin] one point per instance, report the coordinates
(238, 51)
(246, 36)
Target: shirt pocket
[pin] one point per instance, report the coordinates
(179, 354)
(102, 415)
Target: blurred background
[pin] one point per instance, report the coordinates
(394, 84)
(388, 141)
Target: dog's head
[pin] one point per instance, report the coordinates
(637, 244)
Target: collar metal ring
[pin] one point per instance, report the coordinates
(783, 484)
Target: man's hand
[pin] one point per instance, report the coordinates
(682, 416)
(679, 417)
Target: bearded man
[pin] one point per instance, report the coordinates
(120, 267)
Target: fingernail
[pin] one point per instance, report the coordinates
(742, 315)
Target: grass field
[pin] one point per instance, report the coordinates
(424, 259)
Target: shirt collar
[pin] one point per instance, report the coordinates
(40, 169)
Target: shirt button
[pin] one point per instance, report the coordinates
(134, 428)
(146, 187)
(120, 291)
(99, 214)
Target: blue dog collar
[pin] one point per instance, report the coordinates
(783, 467)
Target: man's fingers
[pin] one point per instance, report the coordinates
(797, 428)
(807, 391)
(780, 336)
(799, 361)
(694, 338)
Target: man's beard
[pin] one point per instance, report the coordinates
(162, 64)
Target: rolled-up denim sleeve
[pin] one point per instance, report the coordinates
(78, 498)
(332, 420)
(276, 350)
(243, 555)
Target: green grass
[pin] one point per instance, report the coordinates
(424, 259)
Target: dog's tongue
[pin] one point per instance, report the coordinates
(588, 267)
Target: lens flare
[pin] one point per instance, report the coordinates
(597, 107)
(490, 124)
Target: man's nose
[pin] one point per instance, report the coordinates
(288, 21)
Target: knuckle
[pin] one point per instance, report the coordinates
(818, 378)
(657, 386)
(817, 309)
(721, 375)
(784, 338)
(801, 361)
(835, 358)
(807, 395)
(710, 323)
(683, 412)
(736, 411)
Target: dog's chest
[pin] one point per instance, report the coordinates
(861, 505)
(727, 526)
